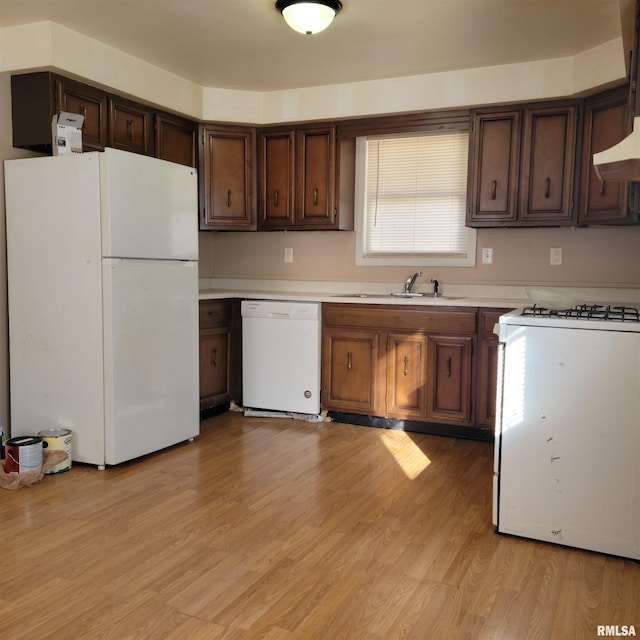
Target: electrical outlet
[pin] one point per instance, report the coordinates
(555, 257)
(288, 254)
(487, 256)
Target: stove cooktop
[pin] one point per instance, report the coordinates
(586, 312)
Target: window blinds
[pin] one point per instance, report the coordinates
(415, 195)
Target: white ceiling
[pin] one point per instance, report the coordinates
(245, 44)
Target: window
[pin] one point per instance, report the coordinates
(411, 193)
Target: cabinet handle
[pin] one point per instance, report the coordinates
(547, 187)
(494, 188)
(215, 313)
(214, 357)
(228, 197)
(130, 132)
(602, 189)
(83, 113)
(349, 361)
(406, 365)
(448, 367)
(276, 197)
(315, 197)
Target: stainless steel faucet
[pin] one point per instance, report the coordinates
(411, 280)
(436, 286)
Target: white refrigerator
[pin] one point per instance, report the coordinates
(102, 253)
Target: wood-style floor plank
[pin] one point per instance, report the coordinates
(279, 529)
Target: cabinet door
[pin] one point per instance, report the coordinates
(89, 102)
(606, 122)
(130, 126)
(176, 140)
(214, 367)
(218, 326)
(316, 178)
(406, 375)
(350, 370)
(493, 171)
(227, 179)
(487, 368)
(449, 380)
(276, 182)
(35, 97)
(548, 158)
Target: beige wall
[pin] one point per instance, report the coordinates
(591, 257)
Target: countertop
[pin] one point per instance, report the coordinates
(381, 299)
(453, 295)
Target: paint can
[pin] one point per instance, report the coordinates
(23, 454)
(57, 440)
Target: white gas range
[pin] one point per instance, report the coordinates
(567, 455)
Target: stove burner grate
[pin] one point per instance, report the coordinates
(587, 312)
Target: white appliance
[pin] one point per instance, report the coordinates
(281, 355)
(102, 253)
(567, 463)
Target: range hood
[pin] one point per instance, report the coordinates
(622, 161)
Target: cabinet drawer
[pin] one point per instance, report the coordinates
(214, 313)
(488, 319)
(400, 318)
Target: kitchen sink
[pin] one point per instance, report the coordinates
(396, 295)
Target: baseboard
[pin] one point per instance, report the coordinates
(414, 426)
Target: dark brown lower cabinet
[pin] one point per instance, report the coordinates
(219, 352)
(399, 363)
(350, 369)
(449, 388)
(407, 375)
(487, 368)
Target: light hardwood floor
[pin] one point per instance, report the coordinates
(282, 529)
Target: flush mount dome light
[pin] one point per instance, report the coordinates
(308, 16)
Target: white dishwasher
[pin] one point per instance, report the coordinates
(281, 355)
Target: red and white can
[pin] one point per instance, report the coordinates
(23, 454)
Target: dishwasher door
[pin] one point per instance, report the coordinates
(281, 355)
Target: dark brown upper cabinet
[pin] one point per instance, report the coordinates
(607, 120)
(176, 140)
(109, 120)
(521, 166)
(131, 126)
(298, 178)
(36, 97)
(227, 178)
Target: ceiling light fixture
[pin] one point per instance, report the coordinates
(308, 16)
